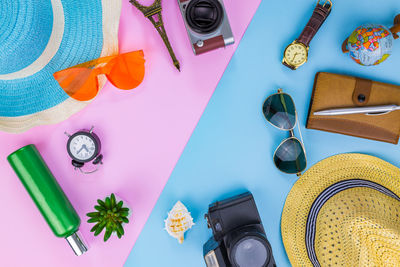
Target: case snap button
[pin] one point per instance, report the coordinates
(361, 98)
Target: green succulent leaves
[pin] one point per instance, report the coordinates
(109, 215)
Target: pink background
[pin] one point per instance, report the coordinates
(143, 133)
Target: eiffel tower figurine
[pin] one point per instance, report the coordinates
(153, 13)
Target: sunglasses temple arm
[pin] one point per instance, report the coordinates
(301, 136)
(94, 62)
(301, 139)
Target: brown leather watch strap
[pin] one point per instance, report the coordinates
(321, 12)
(209, 44)
(289, 66)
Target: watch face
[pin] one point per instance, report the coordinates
(296, 54)
(82, 147)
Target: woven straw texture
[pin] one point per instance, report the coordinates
(110, 14)
(356, 227)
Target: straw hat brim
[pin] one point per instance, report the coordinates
(111, 11)
(318, 178)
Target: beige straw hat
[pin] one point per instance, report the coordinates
(344, 211)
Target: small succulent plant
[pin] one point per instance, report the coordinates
(109, 215)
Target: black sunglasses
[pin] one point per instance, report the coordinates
(280, 111)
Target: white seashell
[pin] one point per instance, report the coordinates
(178, 222)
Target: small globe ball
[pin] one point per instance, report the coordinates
(370, 44)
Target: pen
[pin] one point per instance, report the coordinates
(372, 110)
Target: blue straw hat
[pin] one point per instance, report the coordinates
(40, 37)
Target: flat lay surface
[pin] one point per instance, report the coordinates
(164, 159)
(231, 148)
(142, 131)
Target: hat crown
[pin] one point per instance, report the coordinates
(378, 242)
(358, 227)
(25, 30)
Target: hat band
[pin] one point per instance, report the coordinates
(324, 197)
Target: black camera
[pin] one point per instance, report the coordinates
(239, 238)
(207, 24)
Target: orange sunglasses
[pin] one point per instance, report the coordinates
(124, 71)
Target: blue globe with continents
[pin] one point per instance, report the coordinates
(370, 44)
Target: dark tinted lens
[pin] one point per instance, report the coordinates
(251, 252)
(279, 110)
(289, 156)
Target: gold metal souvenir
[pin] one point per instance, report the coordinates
(153, 13)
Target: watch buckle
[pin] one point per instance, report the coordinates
(327, 4)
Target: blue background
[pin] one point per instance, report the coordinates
(231, 149)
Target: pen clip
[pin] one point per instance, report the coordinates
(378, 113)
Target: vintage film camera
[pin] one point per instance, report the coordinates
(239, 238)
(207, 24)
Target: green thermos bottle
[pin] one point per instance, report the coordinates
(48, 196)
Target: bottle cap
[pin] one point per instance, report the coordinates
(77, 243)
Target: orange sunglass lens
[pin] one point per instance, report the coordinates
(79, 83)
(126, 71)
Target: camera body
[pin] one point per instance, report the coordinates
(207, 24)
(238, 235)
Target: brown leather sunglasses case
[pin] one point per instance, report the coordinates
(341, 91)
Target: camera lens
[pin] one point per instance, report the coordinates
(250, 251)
(204, 16)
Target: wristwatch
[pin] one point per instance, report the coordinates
(296, 53)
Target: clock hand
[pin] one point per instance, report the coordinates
(79, 151)
(295, 54)
(84, 146)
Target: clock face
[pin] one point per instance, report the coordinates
(296, 54)
(82, 147)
